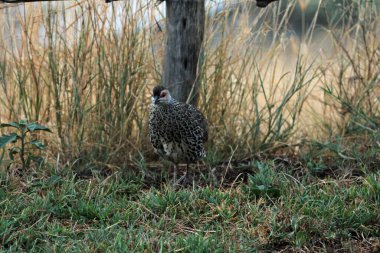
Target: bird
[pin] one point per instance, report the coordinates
(177, 130)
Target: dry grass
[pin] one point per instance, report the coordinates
(86, 70)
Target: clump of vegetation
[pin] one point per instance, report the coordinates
(351, 91)
(276, 211)
(23, 141)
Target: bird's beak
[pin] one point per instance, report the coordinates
(155, 100)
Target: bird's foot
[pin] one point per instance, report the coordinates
(177, 183)
(182, 178)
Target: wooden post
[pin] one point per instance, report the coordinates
(185, 22)
(264, 3)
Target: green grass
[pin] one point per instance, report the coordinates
(273, 210)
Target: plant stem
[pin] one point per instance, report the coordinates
(22, 153)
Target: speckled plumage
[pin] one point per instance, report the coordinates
(177, 130)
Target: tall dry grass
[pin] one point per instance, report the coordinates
(86, 70)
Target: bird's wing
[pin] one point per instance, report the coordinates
(153, 131)
(198, 121)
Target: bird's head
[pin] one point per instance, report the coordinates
(161, 95)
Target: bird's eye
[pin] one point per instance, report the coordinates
(163, 94)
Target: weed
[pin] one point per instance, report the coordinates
(25, 136)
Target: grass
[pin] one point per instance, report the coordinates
(293, 158)
(273, 210)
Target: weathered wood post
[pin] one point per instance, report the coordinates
(185, 22)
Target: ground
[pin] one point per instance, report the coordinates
(274, 204)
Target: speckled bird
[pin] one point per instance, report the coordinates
(177, 130)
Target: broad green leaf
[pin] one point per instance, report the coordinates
(38, 144)
(12, 124)
(23, 122)
(13, 151)
(5, 139)
(38, 159)
(34, 127)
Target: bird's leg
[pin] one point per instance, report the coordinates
(175, 176)
(184, 175)
(187, 169)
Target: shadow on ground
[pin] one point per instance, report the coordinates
(225, 174)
